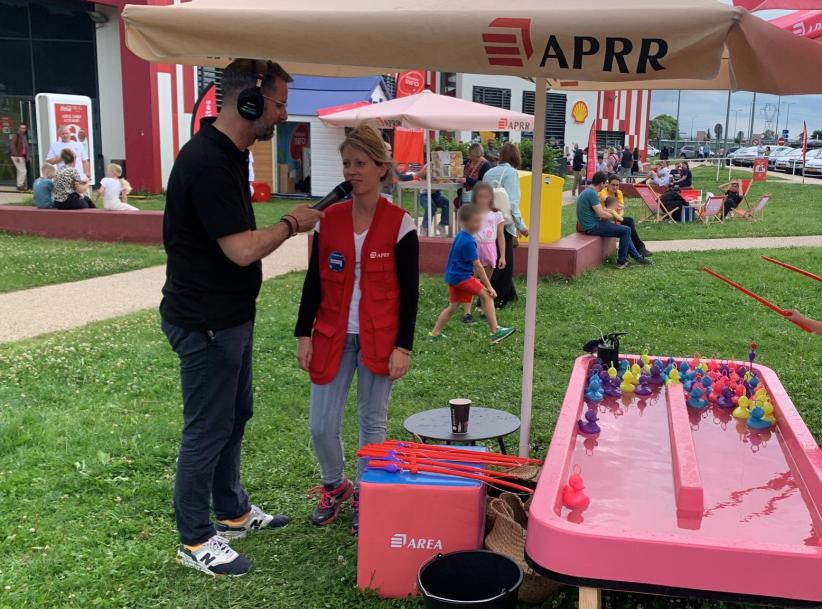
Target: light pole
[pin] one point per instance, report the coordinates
(736, 117)
(788, 112)
(693, 118)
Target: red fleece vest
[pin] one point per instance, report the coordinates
(380, 301)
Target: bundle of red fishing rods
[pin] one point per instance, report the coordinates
(395, 456)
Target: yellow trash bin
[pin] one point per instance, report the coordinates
(550, 214)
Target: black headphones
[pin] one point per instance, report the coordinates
(250, 102)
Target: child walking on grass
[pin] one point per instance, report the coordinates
(490, 238)
(463, 264)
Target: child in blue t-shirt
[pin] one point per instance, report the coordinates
(461, 274)
(43, 187)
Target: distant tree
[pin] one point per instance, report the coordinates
(769, 135)
(817, 134)
(664, 127)
(718, 131)
(708, 134)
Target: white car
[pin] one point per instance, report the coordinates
(792, 163)
(813, 167)
(652, 151)
(778, 154)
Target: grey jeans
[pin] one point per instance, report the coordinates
(328, 404)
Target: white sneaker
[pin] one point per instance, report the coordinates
(214, 557)
(257, 520)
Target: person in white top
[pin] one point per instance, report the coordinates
(112, 190)
(81, 162)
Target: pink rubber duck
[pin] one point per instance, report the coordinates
(573, 496)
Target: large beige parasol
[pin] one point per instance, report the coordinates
(586, 44)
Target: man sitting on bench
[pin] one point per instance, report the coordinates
(594, 219)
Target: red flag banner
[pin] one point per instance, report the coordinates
(590, 169)
(763, 5)
(204, 107)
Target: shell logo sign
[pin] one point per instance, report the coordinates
(579, 112)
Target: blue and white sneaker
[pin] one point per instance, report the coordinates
(257, 520)
(214, 557)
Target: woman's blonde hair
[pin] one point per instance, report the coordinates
(476, 147)
(115, 169)
(369, 141)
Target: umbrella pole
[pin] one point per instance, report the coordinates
(541, 90)
(725, 133)
(428, 180)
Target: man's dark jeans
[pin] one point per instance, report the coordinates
(620, 231)
(638, 243)
(215, 376)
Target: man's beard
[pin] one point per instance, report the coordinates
(264, 132)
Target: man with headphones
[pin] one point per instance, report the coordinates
(213, 277)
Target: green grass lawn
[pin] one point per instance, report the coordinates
(794, 209)
(30, 261)
(90, 421)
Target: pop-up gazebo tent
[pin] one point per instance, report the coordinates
(587, 44)
(428, 110)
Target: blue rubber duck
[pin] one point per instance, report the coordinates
(695, 400)
(755, 420)
(594, 391)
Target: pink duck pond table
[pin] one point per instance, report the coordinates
(683, 501)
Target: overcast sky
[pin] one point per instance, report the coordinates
(703, 109)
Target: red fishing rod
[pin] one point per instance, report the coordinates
(376, 452)
(795, 269)
(461, 451)
(756, 297)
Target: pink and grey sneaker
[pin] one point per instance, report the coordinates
(331, 500)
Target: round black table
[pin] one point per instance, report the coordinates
(483, 424)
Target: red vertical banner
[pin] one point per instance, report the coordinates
(760, 170)
(205, 107)
(590, 169)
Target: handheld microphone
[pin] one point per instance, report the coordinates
(341, 191)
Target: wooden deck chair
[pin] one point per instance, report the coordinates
(745, 188)
(758, 210)
(655, 210)
(712, 210)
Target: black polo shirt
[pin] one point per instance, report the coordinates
(207, 198)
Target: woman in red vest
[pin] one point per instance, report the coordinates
(357, 314)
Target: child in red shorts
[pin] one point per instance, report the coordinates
(461, 274)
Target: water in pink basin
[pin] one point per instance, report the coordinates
(745, 475)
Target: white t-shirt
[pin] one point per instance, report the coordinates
(406, 227)
(490, 221)
(80, 155)
(111, 190)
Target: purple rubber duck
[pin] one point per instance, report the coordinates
(589, 426)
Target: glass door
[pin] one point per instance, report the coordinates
(14, 110)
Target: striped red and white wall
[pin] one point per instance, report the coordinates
(626, 111)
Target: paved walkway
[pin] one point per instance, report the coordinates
(28, 313)
(741, 243)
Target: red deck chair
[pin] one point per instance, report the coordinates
(757, 212)
(712, 210)
(745, 188)
(655, 210)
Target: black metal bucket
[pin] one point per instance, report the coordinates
(474, 578)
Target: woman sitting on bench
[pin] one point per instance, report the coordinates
(69, 186)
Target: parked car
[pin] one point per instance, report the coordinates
(689, 152)
(778, 153)
(736, 155)
(813, 166)
(792, 163)
(653, 150)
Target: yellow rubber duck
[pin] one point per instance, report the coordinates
(673, 377)
(741, 411)
(628, 382)
(636, 370)
(769, 415)
(646, 359)
(612, 372)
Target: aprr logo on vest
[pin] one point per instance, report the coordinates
(401, 541)
(376, 255)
